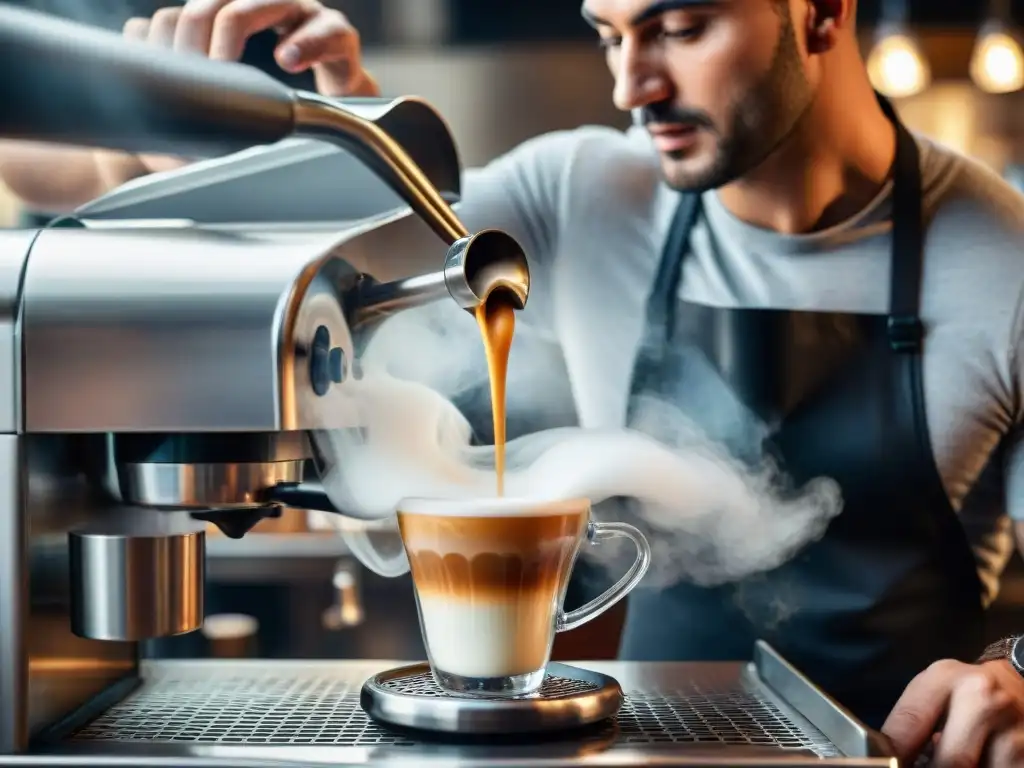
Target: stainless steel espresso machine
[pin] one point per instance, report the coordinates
(162, 376)
(159, 378)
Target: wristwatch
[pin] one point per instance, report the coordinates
(1010, 648)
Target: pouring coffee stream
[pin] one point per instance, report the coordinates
(497, 321)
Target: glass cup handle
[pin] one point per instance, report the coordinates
(597, 532)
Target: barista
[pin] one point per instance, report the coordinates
(772, 235)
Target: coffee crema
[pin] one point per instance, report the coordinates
(496, 318)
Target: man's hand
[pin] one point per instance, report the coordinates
(972, 714)
(311, 36)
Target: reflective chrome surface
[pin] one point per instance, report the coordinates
(570, 698)
(200, 486)
(485, 262)
(328, 119)
(475, 267)
(59, 671)
(326, 182)
(308, 713)
(210, 329)
(137, 575)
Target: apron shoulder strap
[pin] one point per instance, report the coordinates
(661, 302)
(906, 331)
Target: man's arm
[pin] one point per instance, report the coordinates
(58, 179)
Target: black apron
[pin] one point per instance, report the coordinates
(893, 584)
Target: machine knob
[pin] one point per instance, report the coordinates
(326, 363)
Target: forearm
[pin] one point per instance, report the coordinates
(60, 178)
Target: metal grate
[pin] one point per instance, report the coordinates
(308, 706)
(735, 718)
(423, 685)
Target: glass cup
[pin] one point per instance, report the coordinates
(490, 576)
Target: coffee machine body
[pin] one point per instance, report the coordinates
(158, 376)
(150, 377)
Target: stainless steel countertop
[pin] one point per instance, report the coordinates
(306, 713)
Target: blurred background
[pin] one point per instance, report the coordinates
(502, 71)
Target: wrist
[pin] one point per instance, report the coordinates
(1009, 649)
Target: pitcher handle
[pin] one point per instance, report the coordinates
(597, 532)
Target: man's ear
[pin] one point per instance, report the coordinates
(824, 20)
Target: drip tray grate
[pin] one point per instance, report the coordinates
(282, 703)
(422, 684)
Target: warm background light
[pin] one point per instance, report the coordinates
(896, 66)
(997, 64)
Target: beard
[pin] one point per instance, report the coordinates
(762, 117)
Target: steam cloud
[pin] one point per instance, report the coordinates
(710, 519)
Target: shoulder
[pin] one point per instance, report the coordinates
(583, 172)
(968, 200)
(974, 265)
(975, 231)
(583, 154)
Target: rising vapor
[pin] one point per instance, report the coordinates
(710, 519)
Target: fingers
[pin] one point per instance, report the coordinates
(979, 706)
(241, 19)
(136, 29)
(311, 36)
(161, 28)
(195, 27)
(220, 28)
(1006, 749)
(913, 720)
(325, 38)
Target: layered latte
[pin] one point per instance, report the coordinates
(489, 579)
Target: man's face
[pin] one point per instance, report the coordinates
(718, 83)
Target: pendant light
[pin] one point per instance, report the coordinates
(896, 66)
(997, 63)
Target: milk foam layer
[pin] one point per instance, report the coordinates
(492, 639)
(497, 507)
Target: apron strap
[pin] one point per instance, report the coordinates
(906, 332)
(661, 302)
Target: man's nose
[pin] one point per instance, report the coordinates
(638, 82)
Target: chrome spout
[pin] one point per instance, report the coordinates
(476, 267)
(317, 117)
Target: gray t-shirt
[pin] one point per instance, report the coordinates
(592, 211)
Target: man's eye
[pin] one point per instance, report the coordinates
(607, 43)
(683, 33)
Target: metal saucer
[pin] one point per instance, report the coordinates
(570, 698)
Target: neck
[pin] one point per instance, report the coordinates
(828, 169)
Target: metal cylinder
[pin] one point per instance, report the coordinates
(137, 577)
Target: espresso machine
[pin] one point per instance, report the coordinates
(166, 364)
(164, 376)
